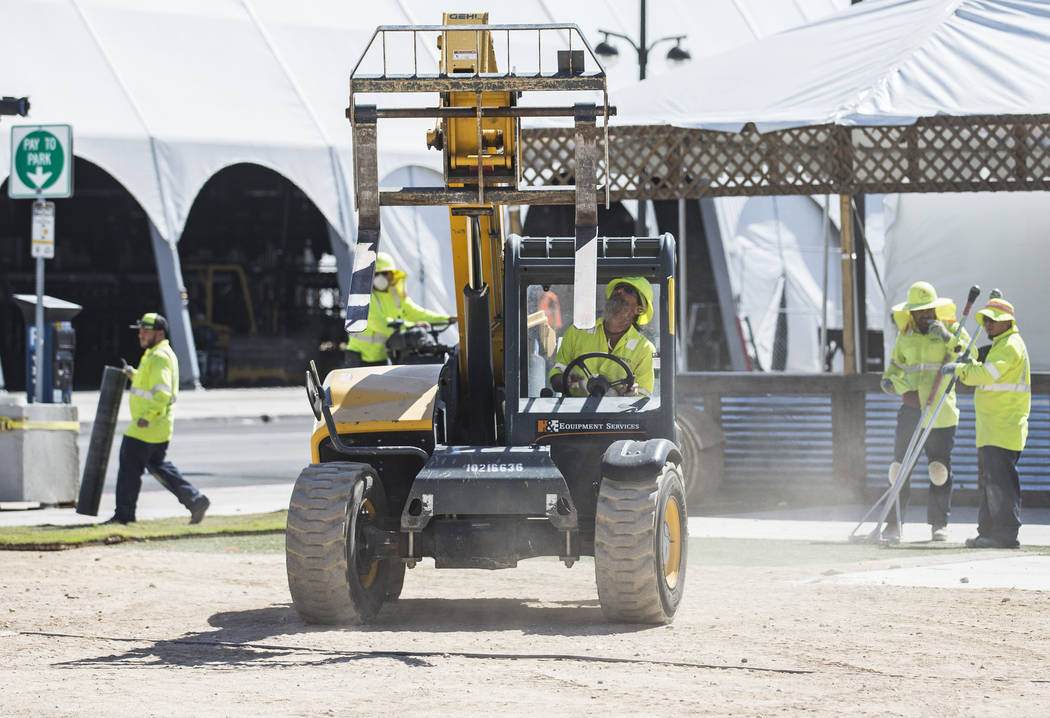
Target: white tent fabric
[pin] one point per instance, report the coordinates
(879, 62)
(163, 94)
(778, 247)
(775, 245)
(958, 240)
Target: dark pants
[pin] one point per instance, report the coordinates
(137, 456)
(353, 359)
(939, 445)
(999, 514)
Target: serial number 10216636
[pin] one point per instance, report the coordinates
(495, 468)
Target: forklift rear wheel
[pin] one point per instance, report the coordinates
(640, 542)
(334, 574)
(703, 452)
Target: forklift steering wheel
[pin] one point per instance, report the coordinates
(598, 385)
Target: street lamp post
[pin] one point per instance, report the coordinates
(642, 48)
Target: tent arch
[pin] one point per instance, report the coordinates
(259, 270)
(318, 187)
(103, 261)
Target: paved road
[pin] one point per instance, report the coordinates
(239, 452)
(244, 465)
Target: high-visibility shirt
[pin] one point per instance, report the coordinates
(1002, 394)
(632, 347)
(384, 308)
(154, 386)
(915, 365)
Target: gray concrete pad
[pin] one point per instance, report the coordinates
(995, 569)
(836, 523)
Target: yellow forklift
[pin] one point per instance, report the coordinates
(479, 463)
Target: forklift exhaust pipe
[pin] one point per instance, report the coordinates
(102, 431)
(481, 403)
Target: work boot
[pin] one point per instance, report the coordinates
(114, 520)
(199, 507)
(989, 542)
(938, 533)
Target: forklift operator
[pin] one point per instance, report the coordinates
(628, 305)
(389, 302)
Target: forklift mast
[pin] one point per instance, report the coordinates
(478, 131)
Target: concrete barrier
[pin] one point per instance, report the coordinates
(39, 458)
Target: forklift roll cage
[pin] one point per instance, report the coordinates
(549, 261)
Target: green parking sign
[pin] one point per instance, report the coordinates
(41, 161)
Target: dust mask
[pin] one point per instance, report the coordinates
(380, 282)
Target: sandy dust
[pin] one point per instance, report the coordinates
(129, 632)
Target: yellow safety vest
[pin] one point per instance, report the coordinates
(1003, 392)
(385, 307)
(915, 365)
(632, 347)
(153, 390)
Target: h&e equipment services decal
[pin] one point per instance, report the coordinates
(561, 427)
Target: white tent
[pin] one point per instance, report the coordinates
(879, 62)
(886, 62)
(163, 94)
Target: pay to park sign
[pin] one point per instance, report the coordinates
(41, 162)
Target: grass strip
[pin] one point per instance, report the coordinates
(56, 538)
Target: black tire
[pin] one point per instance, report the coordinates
(641, 538)
(703, 453)
(330, 574)
(397, 581)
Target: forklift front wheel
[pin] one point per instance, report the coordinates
(335, 574)
(640, 545)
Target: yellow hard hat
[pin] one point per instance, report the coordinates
(998, 310)
(645, 293)
(922, 295)
(385, 263)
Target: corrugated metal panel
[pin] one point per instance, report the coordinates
(780, 441)
(1034, 466)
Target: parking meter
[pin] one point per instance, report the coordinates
(59, 339)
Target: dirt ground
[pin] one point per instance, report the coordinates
(118, 631)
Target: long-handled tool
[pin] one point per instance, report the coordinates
(926, 419)
(908, 465)
(921, 432)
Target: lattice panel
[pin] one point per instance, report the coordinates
(547, 157)
(937, 154)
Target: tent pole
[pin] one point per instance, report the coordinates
(824, 305)
(860, 278)
(176, 308)
(682, 298)
(849, 341)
